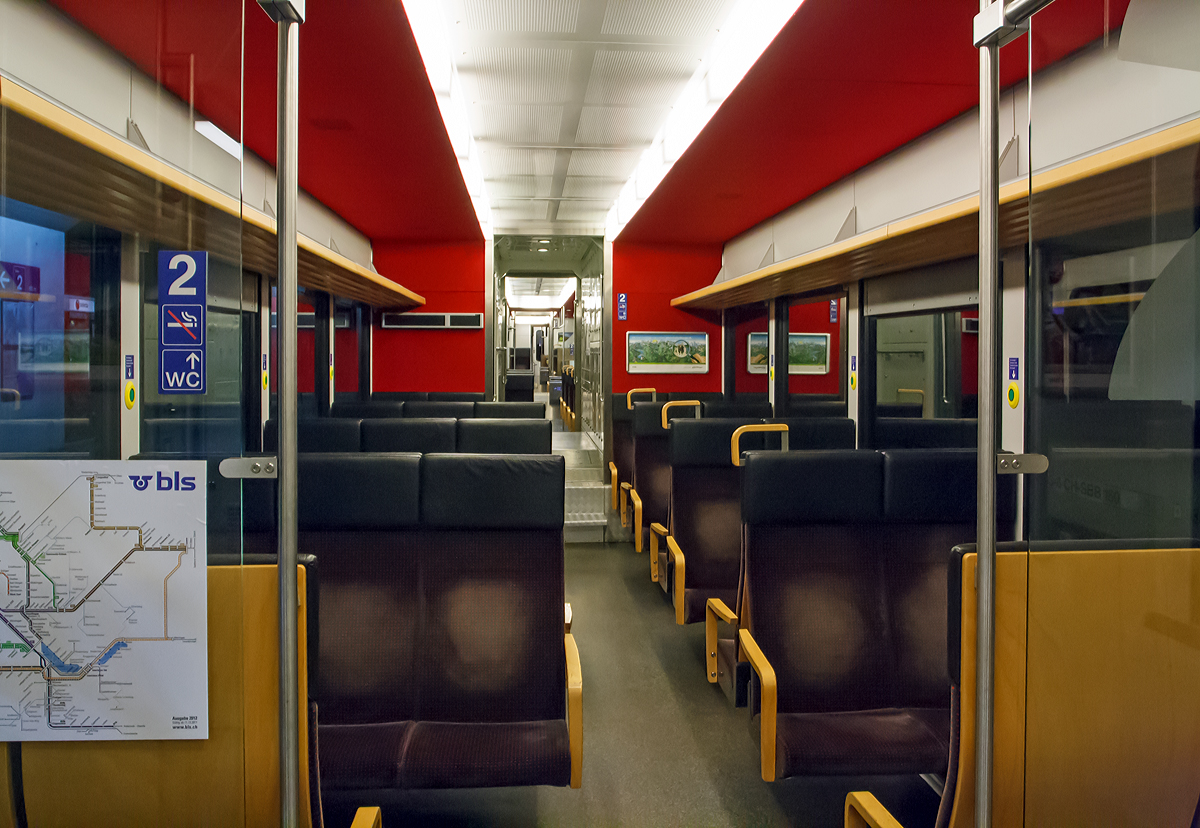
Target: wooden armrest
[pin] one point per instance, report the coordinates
(615, 482)
(863, 810)
(629, 396)
(735, 441)
(656, 529)
(680, 576)
(714, 610)
(368, 817)
(767, 705)
(626, 488)
(637, 520)
(679, 404)
(567, 618)
(574, 709)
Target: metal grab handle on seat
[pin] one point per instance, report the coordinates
(920, 391)
(629, 396)
(679, 404)
(734, 448)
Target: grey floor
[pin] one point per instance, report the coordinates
(662, 747)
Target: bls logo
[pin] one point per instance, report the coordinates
(163, 482)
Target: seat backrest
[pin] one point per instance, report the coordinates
(457, 396)
(813, 433)
(915, 432)
(844, 572)
(815, 405)
(511, 410)
(359, 513)
(504, 436)
(435, 408)
(651, 462)
(45, 435)
(400, 396)
(409, 435)
(492, 588)
(317, 434)
(702, 396)
(720, 408)
(903, 409)
(705, 494)
(367, 409)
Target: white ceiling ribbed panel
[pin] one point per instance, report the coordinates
(636, 78)
(542, 16)
(503, 161)
(564, 95)
(602, 163)
(520, 124)
(617, 125)
(592, 187)
(520, 75)
(662, 18)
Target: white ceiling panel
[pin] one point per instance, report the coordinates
(582, 211)
(522, 186)
(636, 78)
(592, 187)
(506, 211)
(520, 124)
(533, 76)
(602, 163)
(500, 161)
(548, 16)
(662, 18)
(618, 125)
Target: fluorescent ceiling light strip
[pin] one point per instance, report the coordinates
(743, 37)
(539, 302)
(428, 23)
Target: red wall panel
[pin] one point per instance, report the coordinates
(808, 318)
(451, 277)
(651, 277)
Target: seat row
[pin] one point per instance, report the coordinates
(424, 436)
(458, 409)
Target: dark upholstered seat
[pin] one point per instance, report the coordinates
(441, 630)
(505, 436)
(437, 408)
(317, 434)
(402, 396)
(367, 409)
(457, 396)
(651, 478)
(511, 410)
(518, 386)
(843, 591)
(621, 468)
(915, 432)
(409, 435)
(722, 409)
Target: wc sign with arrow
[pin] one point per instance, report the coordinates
(182, 304)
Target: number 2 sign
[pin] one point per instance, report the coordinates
(182, 312)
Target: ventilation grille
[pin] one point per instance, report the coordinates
(436, 321)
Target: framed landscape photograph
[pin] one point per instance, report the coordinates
(666, 353)
(807, 353)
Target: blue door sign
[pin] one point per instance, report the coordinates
(182, 321)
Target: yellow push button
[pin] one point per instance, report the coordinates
(1014, 395)
(853, 381)
(130, 395)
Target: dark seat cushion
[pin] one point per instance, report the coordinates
(887, 741)
(361, 756)
(438, 408)
(317, 435)
(426, 436)
(505, 436)
(494, 491)
(916, 433)
(811, 433)
(695, 600)
(454, 755)
(720, 408)
(357, 491)
(457, 396)
(510, 410)
(403, 396)
(706, 443)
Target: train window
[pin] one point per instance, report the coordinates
(926, 364)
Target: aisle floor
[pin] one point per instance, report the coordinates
(662, 747)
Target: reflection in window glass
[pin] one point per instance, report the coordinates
(926, 365)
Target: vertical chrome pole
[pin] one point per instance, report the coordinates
(985, 528)
(287, 181)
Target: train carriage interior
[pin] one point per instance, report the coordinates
(600, 413)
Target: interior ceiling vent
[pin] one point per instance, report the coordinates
(435, 321)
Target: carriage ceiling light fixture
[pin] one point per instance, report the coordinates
(433, 40)
(521, 302)
(744, 36)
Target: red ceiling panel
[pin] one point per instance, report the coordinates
(843, 84)
(372, 144)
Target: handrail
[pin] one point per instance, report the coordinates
(920, 391)
(629, 395)
(734, 447)
(679, 404)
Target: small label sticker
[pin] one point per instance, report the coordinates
(853, 363)
(622, 306)
(833, 310)
(1014, 368)
(129, 366)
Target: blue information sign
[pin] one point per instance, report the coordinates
(1014, 368)
(182, 307)
(622, 306)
